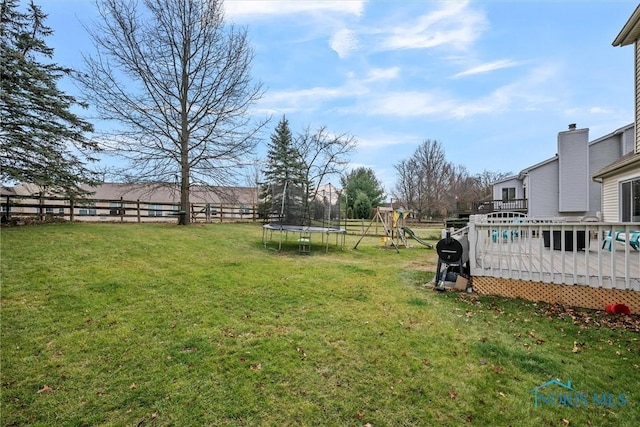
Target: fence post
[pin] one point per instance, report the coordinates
(72, 208)
(121, 210)
(8, 209)
(221, 212)
(207, 214)
(138, 210)
(41, 208)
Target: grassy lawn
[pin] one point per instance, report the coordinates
(158, 325)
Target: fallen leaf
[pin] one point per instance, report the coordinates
(133, 386)
(452, 394)
(565, 421)
(502, 394)
(256, 367)
(302, 353)
(45, 389)
(575, 347)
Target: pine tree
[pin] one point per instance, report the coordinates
(283, 160)
(41, 140)
(284, 174)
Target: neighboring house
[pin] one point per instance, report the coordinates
(620, 180)
(561, 186)
(113, 201)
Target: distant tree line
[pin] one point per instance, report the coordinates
(432, 187)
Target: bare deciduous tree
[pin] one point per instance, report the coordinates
(175, 80)
(323, 154)
(424, 180)
(432, 186)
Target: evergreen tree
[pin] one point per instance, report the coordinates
(362, 206)
(41, 140)
(285, 184)
(362, 180)
(283, 159)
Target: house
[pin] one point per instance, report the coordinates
(131, 202)
(620, 180)
(560, 255)
(562, 185)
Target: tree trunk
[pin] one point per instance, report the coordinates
(185, 218)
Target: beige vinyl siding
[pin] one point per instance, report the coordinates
(637, 65)
(611, 195)
(610, 205)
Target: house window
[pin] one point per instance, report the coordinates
(87, 209)
(154, 210)
(52, 211)
(114, 208)
(508, 193)
(630, 200)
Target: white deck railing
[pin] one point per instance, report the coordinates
(554, 250)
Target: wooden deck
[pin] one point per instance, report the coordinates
(525, 257)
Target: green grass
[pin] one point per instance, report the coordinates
(158, 325)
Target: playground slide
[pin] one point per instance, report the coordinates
(416, 238)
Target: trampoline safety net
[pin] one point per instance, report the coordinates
(298, 205)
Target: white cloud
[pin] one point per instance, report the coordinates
(599, 110)
(318, 97)
(386, 140)
(487, 67)
(455, 25)
(307, 99)
(408, 104)
(248, 9)
(376, 74)
(344, 42)
(532, 91)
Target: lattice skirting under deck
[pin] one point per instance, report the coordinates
(568, 295)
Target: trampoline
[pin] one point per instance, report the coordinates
(304, 233)
(303, 212)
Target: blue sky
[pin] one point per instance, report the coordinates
(492, 81)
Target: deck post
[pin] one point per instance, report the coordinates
(473, 238)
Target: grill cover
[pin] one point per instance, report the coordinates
(449, 250)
